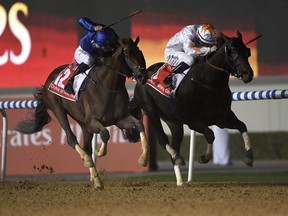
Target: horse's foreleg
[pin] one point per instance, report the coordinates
(102, 151)
(94, 176)
(88, 162)
(95, 126)
(143, 159)
(248, 159)
(232, 122)
(130, 122)
(179, 180)
(105, 136)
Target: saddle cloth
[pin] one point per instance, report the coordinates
(58, 84)
(156, 80)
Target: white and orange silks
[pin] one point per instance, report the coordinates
(183, 47)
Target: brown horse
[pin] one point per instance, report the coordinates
(103, 102)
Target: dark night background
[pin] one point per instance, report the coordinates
(268, 19)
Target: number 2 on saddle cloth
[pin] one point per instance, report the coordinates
(156, 80)
(58, 84)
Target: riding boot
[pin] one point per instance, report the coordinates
(80, 69)
(180, 68)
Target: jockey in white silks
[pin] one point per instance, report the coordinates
(186, 45)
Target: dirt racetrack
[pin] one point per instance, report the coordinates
(142, 198)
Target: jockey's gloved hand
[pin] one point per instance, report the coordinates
(213, 49)
(98, 28)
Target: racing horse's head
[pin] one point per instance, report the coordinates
(132, 59)
(237, 55)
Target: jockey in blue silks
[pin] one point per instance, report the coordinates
(96, 44)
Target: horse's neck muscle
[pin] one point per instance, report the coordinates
(204, 74)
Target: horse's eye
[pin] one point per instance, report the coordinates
(232, 54)
(127, 56)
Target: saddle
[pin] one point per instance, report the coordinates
(58, 84)
(157, 80)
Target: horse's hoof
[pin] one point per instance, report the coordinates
(98, 185)
(203, 160)
(180, 184)
(100, 154)
(88, 162)
(248, 160)
(178, 160)
(143, 161)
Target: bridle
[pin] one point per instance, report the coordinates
(234, 71)
(130, 68)
(131, 65)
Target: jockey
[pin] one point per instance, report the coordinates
(185, 46)
(97, 43)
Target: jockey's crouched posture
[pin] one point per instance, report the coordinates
(96, 44)
(185, 46)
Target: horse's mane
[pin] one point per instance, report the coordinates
(220, 40)
(126, 41)
(219, 43)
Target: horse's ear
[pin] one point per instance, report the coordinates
(239, 35)
(137, 40)
(120, 41)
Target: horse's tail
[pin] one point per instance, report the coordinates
(132, 134)
(36, 120)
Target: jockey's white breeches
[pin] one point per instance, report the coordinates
(174, 58)
(81, 55)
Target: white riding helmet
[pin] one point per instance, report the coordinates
(207, 34)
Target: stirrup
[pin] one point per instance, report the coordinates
(69, 88)
(168, 79)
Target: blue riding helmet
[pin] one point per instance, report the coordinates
(105, 37)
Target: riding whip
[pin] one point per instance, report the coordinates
(253, 39)
(120, 20)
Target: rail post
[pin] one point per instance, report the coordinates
(25, 104)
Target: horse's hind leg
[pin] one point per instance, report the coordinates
(209, 136)
(86, 155)
(177, 134)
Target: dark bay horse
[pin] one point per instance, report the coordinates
(202, 99)
(103, 102)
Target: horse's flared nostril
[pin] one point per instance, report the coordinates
(247, 76)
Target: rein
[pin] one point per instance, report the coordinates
(214, 66)
(98, 84)
(233, 73)
(127, 58)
